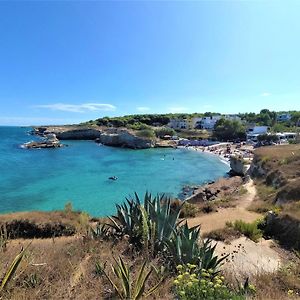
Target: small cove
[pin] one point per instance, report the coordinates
(48, 178)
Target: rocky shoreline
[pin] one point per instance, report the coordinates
(116, 137)
(216, 189)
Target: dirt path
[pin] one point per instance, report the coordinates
(218, 219)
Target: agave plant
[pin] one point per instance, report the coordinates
(207, 258)
(163, 220)
(123, 285)
(100, 232)
(183, 246)
(186, 247)
(12, 269)
(147, 224)
(127, 219)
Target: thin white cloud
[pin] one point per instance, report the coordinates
(265, 94)
(78, 108)
(143, 108)
(177, 109)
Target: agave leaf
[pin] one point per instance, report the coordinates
(145, 227)
(154, 288)
(141, 286)
(13, 268)
(139, 282)
(114, 285)
(124, 276)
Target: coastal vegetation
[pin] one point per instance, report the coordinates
(250, 230)
(226, 130)
(264, 118)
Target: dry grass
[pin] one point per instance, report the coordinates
(277, 285)
(64, 268)
(278, 152)
(264, 199)
(281, 185)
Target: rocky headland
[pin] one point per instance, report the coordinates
(116, 137)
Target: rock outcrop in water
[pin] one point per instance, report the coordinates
(50, 141)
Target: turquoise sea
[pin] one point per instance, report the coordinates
(46, 179)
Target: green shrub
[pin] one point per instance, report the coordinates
(68, 208)
(84, 220)
(146, 133)
(188, 210)
(250, 230)
(165, 131)
(138, 126)
(193, 284)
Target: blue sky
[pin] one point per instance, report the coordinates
(64, 62)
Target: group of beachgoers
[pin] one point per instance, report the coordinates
(226, 150)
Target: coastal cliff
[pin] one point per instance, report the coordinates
(107, 136)
(276, 171)
(124, 138)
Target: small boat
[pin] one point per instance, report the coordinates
(113, 178)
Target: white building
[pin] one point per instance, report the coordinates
(179, 124)
(209, 122)
(286, 136)
(254, 131)
(196, 122)
(283, 117)
(258, 129)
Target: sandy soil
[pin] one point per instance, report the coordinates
(218, 219)
(249, 258)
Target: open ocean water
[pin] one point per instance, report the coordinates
(45, 179)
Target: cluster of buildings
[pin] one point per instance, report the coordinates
(254, 131)
(207, 123)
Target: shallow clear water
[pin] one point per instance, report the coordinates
(48, 178)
